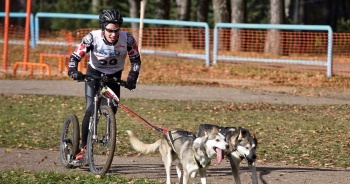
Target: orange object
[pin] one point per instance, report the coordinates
(26, 36)
(6, 33)
(31, 65)
(61, 58)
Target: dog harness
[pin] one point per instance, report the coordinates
(171, 139)
(199, 164)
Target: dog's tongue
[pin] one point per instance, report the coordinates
(219, 155)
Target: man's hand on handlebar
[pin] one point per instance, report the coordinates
(88, 78)
(131, 81)
(76, 75)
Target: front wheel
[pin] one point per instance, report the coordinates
(101, 145)
(69, 144)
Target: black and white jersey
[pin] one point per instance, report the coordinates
(108, 58)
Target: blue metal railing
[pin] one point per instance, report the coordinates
(22, 15)
(136, 20)
(280, 27)
(34, 32)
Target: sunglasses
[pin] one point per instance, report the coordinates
(113, 30)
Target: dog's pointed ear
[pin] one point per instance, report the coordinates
(206, 133)
(252, 133)
(253, 137)
(204, 138)
(198, 142)
(240, 136)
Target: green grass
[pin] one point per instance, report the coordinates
(307, 135)
(313, 135)
(26, 177)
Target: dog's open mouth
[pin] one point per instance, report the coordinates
(219, 155)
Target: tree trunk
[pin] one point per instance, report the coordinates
(221, 14)
(17, 6)
(183, 9)
(134, 13)
(287, 5)
(273, 37)
(297, 12)
(202, 10)
(163, 9)
(221, 11)
(134, 9)
(95, 6)
(198, 37)
(238, 15)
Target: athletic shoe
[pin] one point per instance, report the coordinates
(81, 154)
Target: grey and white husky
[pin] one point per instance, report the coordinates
(193, 153)
(242, 145)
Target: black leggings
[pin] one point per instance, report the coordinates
(90, 91)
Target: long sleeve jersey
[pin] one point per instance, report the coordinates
(105, 57)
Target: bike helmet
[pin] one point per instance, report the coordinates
(110, 16)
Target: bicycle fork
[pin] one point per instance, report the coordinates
(94, 118)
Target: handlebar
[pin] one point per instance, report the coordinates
(103, 79)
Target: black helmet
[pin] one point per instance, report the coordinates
(110, 16)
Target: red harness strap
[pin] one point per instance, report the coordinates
(164, 131)
(111, 95)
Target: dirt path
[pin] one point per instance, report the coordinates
(151, 167)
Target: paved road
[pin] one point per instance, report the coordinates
(72, 88)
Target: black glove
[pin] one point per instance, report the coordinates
(76, 75)
(131, 81)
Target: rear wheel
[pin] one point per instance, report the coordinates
(102, 146)
(69, 144)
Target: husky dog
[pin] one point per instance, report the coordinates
(194, 153)
(242, 144)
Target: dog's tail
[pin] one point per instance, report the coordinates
(141, 146)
